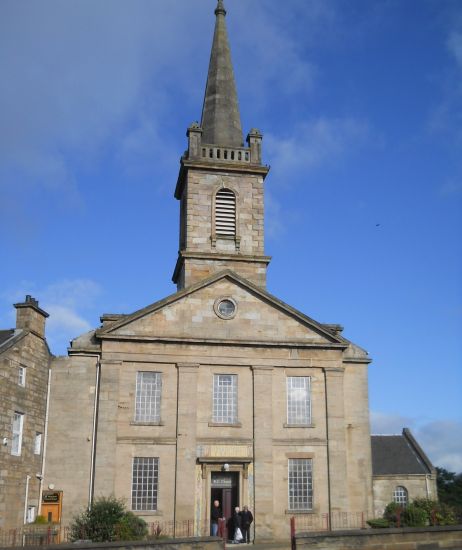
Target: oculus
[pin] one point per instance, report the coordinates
(225, 308)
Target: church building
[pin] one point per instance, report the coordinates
(220, 391)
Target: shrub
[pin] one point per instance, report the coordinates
(107, 521)
(413, 516)
(379, 523)
(40, 520)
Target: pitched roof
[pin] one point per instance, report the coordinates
(6, 335)
(398, 455)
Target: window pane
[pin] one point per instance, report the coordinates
(300, 484)
(148, 395)
(298, 400)
(18, 419)
(22, 376)
(145, 483)
(38, 443)
(400, 495)
(225, 398)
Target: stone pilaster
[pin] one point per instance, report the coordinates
(336, 436)
(263, 451)
(185, 486)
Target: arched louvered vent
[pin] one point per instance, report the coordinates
(225, 213)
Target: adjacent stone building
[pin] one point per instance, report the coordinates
(24, 374)
(401, 471)
(220, 391)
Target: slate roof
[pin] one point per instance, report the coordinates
(6, 335)
(398, 455)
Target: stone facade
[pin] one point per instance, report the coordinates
(219, 391)
(417, 486)
(24, 370)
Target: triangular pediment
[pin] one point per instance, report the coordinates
(193, 313)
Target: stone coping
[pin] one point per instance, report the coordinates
(153, 543)
(376, 532)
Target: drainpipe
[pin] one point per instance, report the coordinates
(91, 485)
(26, 499)
(427, 486)
(44, 451)
(328, 453)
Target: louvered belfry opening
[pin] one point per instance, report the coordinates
(225, 213)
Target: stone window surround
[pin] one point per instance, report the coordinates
(302, 456)
(216, 423)
(310, 423)
(22, 370)
(213, 237)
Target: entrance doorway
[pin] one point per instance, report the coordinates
(225, 489)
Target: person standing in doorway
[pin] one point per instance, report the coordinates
(215, 516)
(246, 520)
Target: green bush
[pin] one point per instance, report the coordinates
(379, 523)
(131, 527)
(392, 514)
(413, 516)
(40, 520)
(106, 521)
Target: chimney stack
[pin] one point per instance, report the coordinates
(30, 317)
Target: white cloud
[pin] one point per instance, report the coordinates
(314, 143)
(68, 302)
(451, 188)
(441, 440)
(454, 44)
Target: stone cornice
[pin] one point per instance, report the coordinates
(221, 342)
(215, 166)
(182, 255)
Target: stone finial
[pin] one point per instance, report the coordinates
(220, 9)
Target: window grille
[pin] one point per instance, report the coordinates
(22, 376)
(225, 398)
(145, 483)
(400, 495)
(225, 213)
(148, 396)
(298, 400)
(300, 484)
(16, 444)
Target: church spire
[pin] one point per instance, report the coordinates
(221, 120)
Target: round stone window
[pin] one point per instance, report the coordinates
(225, 308)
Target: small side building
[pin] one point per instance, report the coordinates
(401, 471)
(24, 375)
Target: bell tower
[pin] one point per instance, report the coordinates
(220, 184)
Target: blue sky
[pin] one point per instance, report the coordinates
(360, 104)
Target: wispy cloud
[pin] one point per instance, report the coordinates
(441, 440)
(68, 302)
(451, 188)
(313, 143)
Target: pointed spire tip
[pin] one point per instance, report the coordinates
(220, 9)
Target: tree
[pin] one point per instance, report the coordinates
(107, 520)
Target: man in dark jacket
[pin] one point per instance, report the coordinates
(246, 520)
(215, 516)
